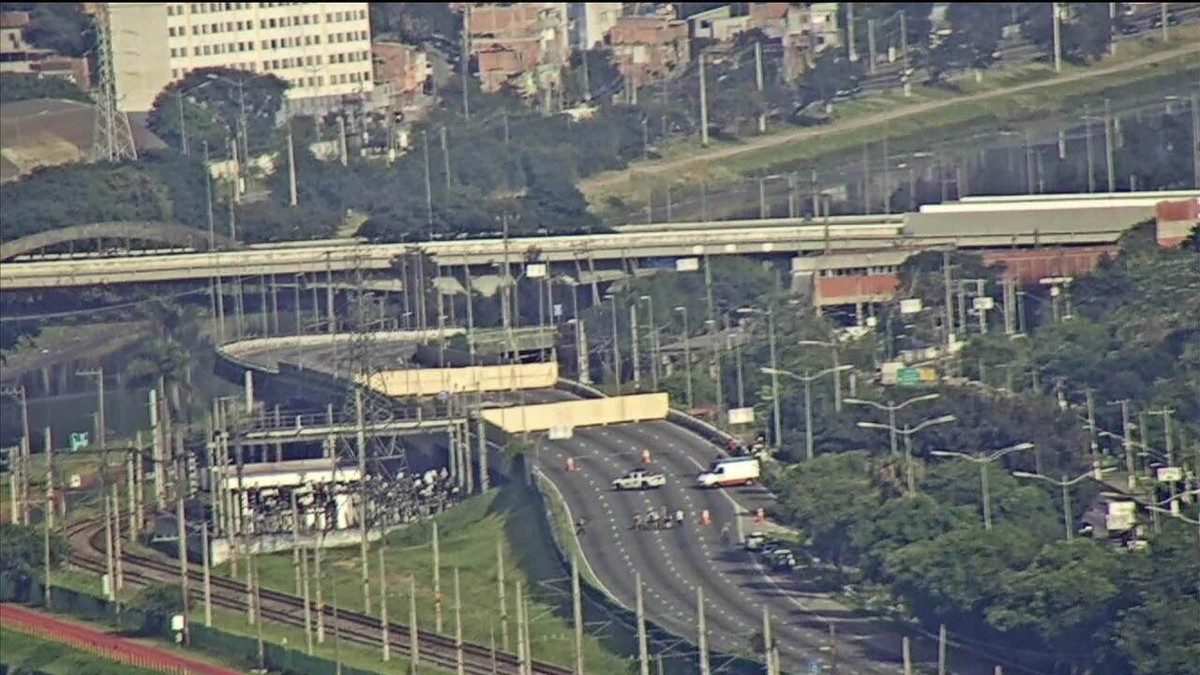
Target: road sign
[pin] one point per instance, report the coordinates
(558, 310)
(1170, 474)
(910, 306)
(814, 666)
(908, 377)
(535, 270)
(561, 433)
(687, 264)
(79, 440)
(741, 415)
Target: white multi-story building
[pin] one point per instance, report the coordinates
(323, 50)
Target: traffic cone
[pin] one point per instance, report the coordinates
(570, 464)
(705, 519)
(646, 457)
(760, 516)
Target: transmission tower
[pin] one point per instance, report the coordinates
(112, 139)
(388, 489)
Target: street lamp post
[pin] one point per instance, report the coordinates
(687, 354)
(616, 345)
(890, 408)
(807, 379)
(654, 356)
(1064, 484)
(778, 421)
(908, 432)
(837, 379)
(983, 462)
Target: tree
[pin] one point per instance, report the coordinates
(1085, 29)
(61, 27)
(1067, 598)
(61, 196)
(901, 522)
(976, 31)
(27, 86)
(214, 101)
(22, 551)
(1157, 632)
(161, 600)
(419, 23)
(827, 498)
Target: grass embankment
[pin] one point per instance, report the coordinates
(21, 652)
(469, 533)
(1002, 97)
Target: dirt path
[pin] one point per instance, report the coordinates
(611, 179)
(105, 645)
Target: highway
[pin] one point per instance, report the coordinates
(674, 562)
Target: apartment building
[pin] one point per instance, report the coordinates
(323, 50)
(649, 48)
(18, 56)
(591, 21)
(525, 44)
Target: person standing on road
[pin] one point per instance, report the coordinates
(679, 517)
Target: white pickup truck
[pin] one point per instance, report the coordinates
(639, 480)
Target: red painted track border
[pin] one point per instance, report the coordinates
(16, 617)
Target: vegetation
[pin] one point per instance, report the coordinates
(22, 551)
(213, 104)
(24, 653)
(469, 534)
(1017, 588)
(28, 86)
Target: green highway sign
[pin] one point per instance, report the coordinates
(79, 440)
(908, 377)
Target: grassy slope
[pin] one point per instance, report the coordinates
(468, 541)
(1006, 95)
(28, 653)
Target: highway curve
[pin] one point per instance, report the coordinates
(673, 562)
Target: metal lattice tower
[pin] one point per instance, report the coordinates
(389, 489)
(112, 138)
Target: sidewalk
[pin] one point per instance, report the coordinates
(48, 627)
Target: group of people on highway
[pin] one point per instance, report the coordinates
(658, 519)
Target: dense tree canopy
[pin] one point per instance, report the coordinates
(213, 103)
(27, 86)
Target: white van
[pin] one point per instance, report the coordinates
(732, 471)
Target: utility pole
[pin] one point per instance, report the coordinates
(758, 83)
(907, 656)
(1195, 155)
(949, 300)
(1163, 20)
(1127, 443)
(466, 59)
(20, 470)
(320, 595)
(643, 660)
(703, 105)
(500, 589)
(1057, 37)
(206, 562)
(850, 32)
(871, 46)
(577, 607)
(429, 184)
(1087, 121)
(703, 632)
(459, 657)
(296, 541)
(291, 154)
(1108, 147)
(360, 440)
(181, 523)
(414, 635)
(383, 607)
(521, 654)
(47, 520)
(437, 582)
(110, 566)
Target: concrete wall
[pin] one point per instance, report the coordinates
(431, 381)
(593, 412)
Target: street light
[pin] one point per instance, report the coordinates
(908, 431)
(891, 408)
(616, 345)
(770, 314)
(983, 462)
(807, 379)
(654, 352)
(687, 354)
(837, 380)
(1064, 485)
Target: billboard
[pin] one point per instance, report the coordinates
(741, 415)
(687, 264)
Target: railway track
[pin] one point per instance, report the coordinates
(87, 553)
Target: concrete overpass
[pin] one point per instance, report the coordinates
(980, 224)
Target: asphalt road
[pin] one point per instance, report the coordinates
(673, 563)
